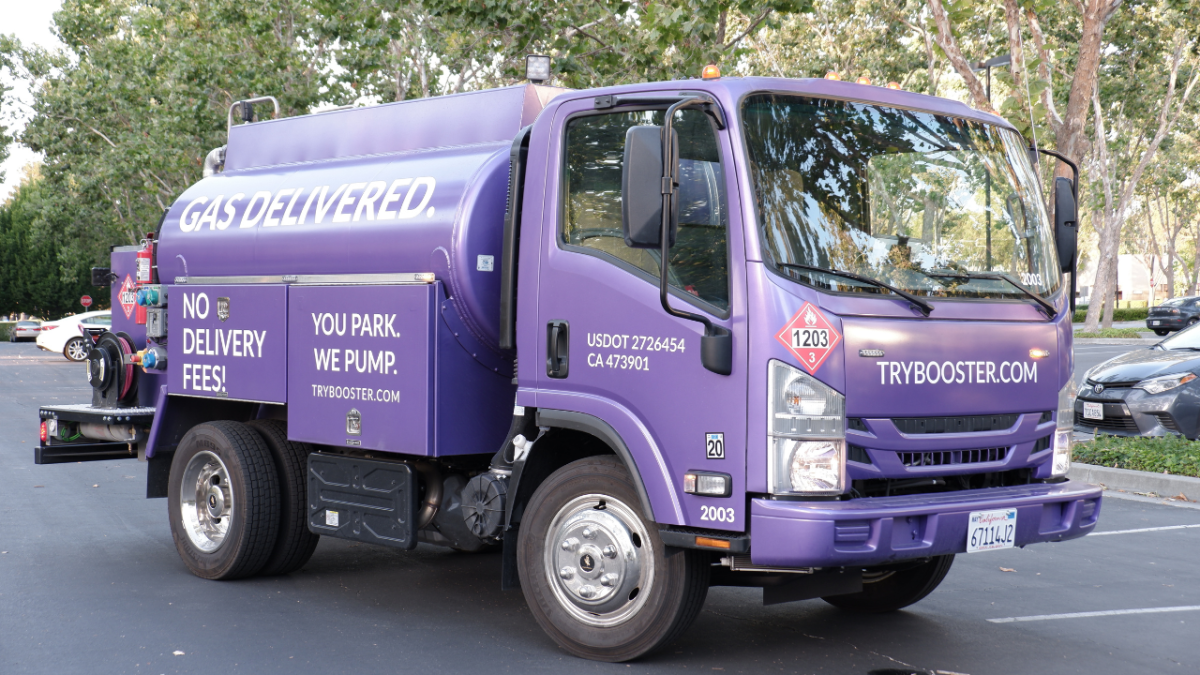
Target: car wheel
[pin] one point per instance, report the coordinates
(1192, 321)
(889, 590)
(75, 349)
(1161, 331)
(595, 573)
(223, 501)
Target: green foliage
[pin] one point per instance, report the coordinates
(5, 328)
(1171, 454)
(38, 275)
(8, 47)
(1111, 333)
(1124, 314)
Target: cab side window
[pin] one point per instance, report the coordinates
(595, 150)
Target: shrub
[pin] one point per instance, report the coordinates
(1171, 454)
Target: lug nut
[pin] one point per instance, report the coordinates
(570, 544)
(588, 592)
(610, 551)
(589, 533)
(609, 579)
(567, 573)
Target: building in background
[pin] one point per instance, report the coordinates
(1135, 283)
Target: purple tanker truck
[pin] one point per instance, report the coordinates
(803, 335)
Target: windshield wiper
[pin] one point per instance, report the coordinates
(993, 276)
(924, 307)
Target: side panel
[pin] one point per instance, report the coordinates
(228, 342)
(361, 366)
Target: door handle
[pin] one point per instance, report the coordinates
(558, 343)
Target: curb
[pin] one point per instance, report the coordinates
(1138, 482)
(1116, 341)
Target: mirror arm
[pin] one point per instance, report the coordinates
(1075, 195)
(716, 350)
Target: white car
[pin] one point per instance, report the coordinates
(64, 335)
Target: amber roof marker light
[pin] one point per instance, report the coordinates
(710, 72)
(832, 75)
(863, 80)
(893, 85)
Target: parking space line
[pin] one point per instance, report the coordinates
(1084, 615)
(1145, 529)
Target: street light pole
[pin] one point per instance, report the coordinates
(1002, 60)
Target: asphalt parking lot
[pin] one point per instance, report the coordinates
(90, 583)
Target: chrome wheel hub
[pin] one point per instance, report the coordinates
(206, 501)
(598, 560)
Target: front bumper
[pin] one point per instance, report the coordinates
(881, 530)
(1133, 412)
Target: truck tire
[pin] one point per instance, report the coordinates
(595, 573)
(75, 349)
(295, 543)
(890, 590)
(223, 501)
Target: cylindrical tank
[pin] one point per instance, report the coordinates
(419, 186)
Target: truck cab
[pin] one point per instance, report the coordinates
(804, 335)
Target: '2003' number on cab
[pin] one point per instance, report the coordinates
(720, 514)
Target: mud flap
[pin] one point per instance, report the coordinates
(365, 500)
(817, 585)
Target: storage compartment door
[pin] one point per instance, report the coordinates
(360, 366)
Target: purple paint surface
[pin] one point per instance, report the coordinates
(228, 342)
(361, 366)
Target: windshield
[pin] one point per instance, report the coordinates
(1188, 338)
(914, 199)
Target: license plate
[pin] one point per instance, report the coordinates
(1093, 411)
(1155, 323)
(991, 530)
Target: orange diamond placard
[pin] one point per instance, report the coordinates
(809, 336)
(127, 296)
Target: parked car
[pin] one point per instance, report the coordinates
(25, 330)
(1174, 314)
(1146, 392)
(64, 336)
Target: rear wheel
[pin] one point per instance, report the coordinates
(223, 501)
(595, 573)
(75, 349)
(295, 544)
(1161, 331)
(889, 590)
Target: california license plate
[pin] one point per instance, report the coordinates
(1155, 323)
(991, 530)
(1093, 411)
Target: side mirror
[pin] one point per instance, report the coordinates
(641, 188)
(101, 276)
(1066, 232)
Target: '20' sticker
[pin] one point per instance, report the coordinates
(714, 446)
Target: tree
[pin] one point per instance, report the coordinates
(8, 46)
(37, 276)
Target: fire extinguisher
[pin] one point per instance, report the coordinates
(145, 257)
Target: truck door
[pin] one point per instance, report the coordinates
(611, 350)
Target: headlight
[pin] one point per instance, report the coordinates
(807, 428)
(1064, 432)
(1157, 385)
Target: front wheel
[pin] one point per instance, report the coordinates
(595, 573)
(886, 590)
(75, 349)
(223, 501)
